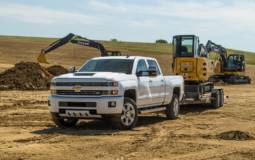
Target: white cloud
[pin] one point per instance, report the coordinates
(42, 15)
(107, 6)
(237, 15)
(142, 23)
(229, 21)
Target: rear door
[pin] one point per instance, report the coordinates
(157, 84)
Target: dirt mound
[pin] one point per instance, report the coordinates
(235, 135)
(25, 76)
(57, 70)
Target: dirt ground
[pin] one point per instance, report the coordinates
(27, 132)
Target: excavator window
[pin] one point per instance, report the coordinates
(202, 51)
(236, 62)
(183, 46)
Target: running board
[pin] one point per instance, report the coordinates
(151, 109)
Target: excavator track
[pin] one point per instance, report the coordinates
(238, 80)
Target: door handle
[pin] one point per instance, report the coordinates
(150, 81)
(162, 80)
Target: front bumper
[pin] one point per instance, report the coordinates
(101, 108)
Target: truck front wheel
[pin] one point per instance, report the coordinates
(129, 116)
(63, 122)
(172, 109)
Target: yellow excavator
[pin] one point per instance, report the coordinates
(228, 68)
(191, 60)
(78, 40)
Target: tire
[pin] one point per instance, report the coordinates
(216, 101)
(173, 109)
(63, 122)
(221, 97)
(129, 116)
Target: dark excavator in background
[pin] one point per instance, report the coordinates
(232, 66)
(78, 40)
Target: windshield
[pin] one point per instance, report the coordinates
(109, 65)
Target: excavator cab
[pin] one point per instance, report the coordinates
(190, 58)
(185, 46)
(235, 63)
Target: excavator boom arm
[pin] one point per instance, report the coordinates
(89, 43)
(213, 47)
(72, 38)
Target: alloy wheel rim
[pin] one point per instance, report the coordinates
(128, 114)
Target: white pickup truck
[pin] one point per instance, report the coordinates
(116, 88)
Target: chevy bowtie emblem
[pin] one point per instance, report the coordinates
(77, 88)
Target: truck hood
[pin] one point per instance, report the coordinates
(94, 76)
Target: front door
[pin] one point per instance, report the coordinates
(144, 93)
(157, 85)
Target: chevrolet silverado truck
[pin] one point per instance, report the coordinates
(115, 88)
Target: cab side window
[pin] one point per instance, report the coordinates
(202, 51)
(153, 63)
(141, 66)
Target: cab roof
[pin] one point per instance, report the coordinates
(122, 57)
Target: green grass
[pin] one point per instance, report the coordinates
(250, 56)
(149, 48)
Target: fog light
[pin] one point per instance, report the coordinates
(53, 92)
(62, 111)
(114, 92)
(111, 104)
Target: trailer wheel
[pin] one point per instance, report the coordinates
(216, 101)
(63, 122)
(221, 97)
(172, 110)
(129, 116)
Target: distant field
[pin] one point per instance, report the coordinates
(15, 49)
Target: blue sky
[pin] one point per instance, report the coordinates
(228, 22)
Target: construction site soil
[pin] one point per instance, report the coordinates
(29, 76)
(57, 70)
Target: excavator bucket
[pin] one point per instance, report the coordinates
(42, 59)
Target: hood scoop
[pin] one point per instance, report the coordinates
(83, 74)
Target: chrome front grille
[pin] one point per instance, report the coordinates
(83, 92)
(93, 84)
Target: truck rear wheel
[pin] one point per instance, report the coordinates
(129, 116)
(63, 122)
(173, 109)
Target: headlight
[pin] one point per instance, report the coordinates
(113, 84)
(53, 92)
(110, 93)
(53, 83)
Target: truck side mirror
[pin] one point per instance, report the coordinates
(72, 69)
(152, 71)
(140, 73)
